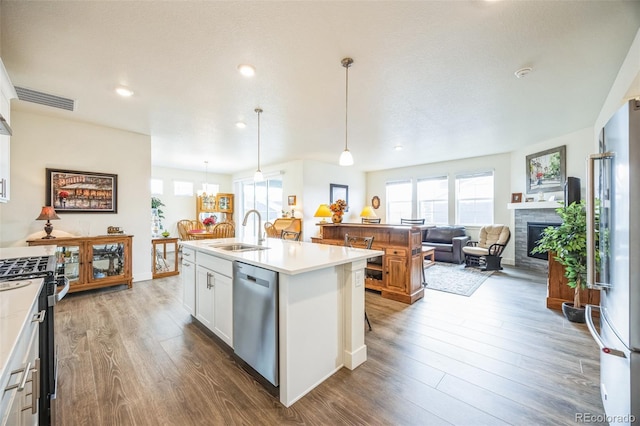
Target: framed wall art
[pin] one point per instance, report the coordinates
(70, 191)
(339, 192)
(545, 170)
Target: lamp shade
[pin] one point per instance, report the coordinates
(48, 213)
(368, 212)
(323, 211)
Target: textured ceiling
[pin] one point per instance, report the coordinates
(436, 77)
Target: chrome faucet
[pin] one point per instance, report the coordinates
(259, 233)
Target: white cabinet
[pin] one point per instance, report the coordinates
(204, 296)
(7, 92)
(189, 280)
(208, 292)
(223, 309)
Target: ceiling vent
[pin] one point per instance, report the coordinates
(46, 99)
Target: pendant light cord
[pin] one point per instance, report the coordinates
(258, 110)
(346, 107)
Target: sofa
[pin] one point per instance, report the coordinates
(447, 241)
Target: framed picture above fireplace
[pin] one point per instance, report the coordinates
(545, 170)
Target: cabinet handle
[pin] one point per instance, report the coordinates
(186, 264)
(25, 376)
(2, 187)
(209, 275)
(35, 390)
(186, 254)
(39, 317)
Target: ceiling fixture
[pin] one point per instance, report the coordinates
(346, 159)
(523, 72)
(125, 92)
(241, 124)
(398, 148)
(247, 70)
(257, 177)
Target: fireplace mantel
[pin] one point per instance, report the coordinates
(535, 205)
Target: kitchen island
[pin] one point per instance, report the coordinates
(320, 303)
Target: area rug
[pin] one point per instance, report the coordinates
(454, 278)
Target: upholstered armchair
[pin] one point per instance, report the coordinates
(487, 251)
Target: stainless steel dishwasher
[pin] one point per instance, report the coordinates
(255, 318)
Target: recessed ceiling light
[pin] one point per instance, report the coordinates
(247, 70)
(523, 72)
(124, 91)
(241, 124)
(398, 147)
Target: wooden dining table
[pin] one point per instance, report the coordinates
(200, 234)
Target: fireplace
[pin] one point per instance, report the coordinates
(534, 232)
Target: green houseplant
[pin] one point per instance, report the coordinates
(156, 216)
(568, 243)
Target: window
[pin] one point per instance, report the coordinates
(266, 197)
(399, 200)
(433, 200)
(211, 188)
(157, 186)
(474, 199)
(183, 188)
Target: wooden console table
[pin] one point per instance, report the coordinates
(558, 291)
(160, 265)
(398, 274)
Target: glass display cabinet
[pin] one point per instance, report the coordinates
(93, 262)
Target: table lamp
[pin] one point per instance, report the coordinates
(367, 212)
(48, 214)
(323, 211)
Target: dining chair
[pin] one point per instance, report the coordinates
(224, 230)
(359, 242)
(186, 225)
(271, 230)
(290, 235)
(412, 221)
(371, 220)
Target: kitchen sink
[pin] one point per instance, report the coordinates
(240, 247)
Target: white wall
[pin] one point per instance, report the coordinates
(184, 207)
(578, 144)
(625, 87)
(40, 142)
(317, 178)
(309, 182)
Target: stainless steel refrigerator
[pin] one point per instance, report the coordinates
(613, 190)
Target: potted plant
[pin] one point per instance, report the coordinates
(568, 244)
(156, 216)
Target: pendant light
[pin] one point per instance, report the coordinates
(346, 159)
(257, 177)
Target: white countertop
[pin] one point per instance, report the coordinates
(15, 305)
(13, 252)
(288, 257)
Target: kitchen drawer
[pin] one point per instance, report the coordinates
(14, 403)
(395, 251)
(221, 266)
(188, 254)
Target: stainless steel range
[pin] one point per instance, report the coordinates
(14, 271)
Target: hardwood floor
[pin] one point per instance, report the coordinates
(133, 357)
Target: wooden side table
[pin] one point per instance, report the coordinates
(430, 253)
(160, 265)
